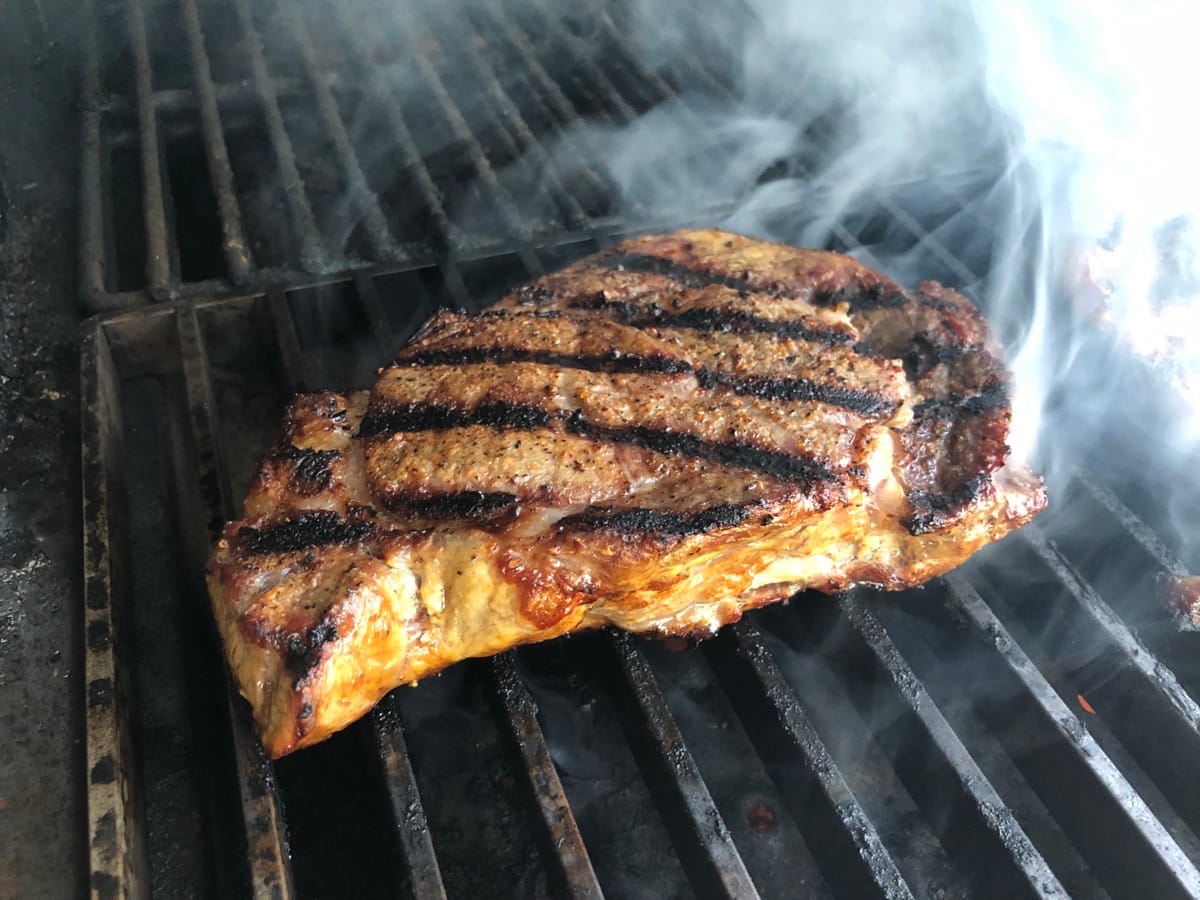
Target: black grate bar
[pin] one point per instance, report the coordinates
(92, 255)
(842, 833)
(522, 137)
(1135, 654)
(567, 113)
(1148, 831)
(511, 214)
(1138, 530)
(116, 861)
(262, 811)
(595, 74)
(424, 876)
(383, 244)
(701, 838)
(990, 811)
(381, 328)
(393, 110)
(312, 254)
(288, 342)
(154, 211)
(233, 236)
(567, 861)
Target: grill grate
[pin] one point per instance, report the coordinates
(1006, 788)
(933, 743)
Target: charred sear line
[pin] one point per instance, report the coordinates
(681, 274)
(713, 320)
(312, 470)
(958, 406)
(800, 389)
(431, 417)
(461, 505)
(614, 361)
(312, 529)
(671, 443)
(659, 522)
(933, 511)
(873, 296)
(923, 353)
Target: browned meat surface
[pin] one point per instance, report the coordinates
(657, 438)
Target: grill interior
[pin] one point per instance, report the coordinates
(1025, 726)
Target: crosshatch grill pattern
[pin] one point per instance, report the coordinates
(1002, 786)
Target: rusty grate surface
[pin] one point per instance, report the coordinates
(1025, 727)
(234, 145)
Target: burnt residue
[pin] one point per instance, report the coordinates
(922, 353)
(427, 416)
(801, 389)
(614, 361)
(302, 651)
(460, 505)
(932, 511)
(713, 320)
(100, 693)
(639, 522)
(312, 470)
(311, 529)
(103, 772)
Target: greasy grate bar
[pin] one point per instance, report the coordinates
(856, 856)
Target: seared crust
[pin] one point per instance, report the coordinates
(657, 438)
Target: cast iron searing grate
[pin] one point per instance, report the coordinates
(233, 145)
(1027, 726)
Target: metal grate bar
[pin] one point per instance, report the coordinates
(507, 206)
(1105, 775)
(567, 113)
(393, 110)
(381, 328)
(312, 254)
(92, 256)
(595, 73)
(776, 722)
(154, 211)
(1129, 645)
(233, 236)
(1139, 530)
(116, 860)
(989, 809)
(262, 811)
(561, 843)
(383, 244)
(424, 875)
(712, 861)
(518, 136)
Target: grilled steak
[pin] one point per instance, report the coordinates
(658, 438)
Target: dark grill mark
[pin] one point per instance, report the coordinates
(613, 361)
(670, 443)
(637, 522)
(878, 295)
(924, 353)
(958, 406)
(429, 417)
(874, 296)
(312, 529)
(792, 389)
(462, 505)
(718, 320)
(419, 417)
(313, 469)
(933, 511)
